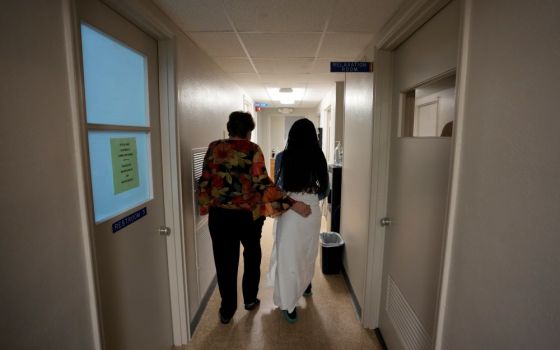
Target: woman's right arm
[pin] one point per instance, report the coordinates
(275, 202)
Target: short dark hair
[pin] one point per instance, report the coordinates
(240, 123)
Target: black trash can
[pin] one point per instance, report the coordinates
(332, 245)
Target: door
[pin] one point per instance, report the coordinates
(418, 182)
(120, 85)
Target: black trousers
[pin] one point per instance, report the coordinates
(228, 228)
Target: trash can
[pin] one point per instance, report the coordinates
(331, 252)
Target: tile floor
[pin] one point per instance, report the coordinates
(326, 320)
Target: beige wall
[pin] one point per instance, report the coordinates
(205, 99)
(44, 296)
(505, 283)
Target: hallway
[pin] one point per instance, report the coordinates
(326, 320)
(126, 265)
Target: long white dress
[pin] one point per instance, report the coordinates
(292, 260)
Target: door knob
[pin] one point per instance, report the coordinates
(385, 222)
(164, 230)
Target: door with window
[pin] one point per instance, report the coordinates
(120, 89)
(423, 107)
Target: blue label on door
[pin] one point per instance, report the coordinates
(124, 222)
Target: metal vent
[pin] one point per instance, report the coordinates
(407, 325)
(197, 161)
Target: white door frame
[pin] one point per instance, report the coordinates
(397, 30)
(165, 38)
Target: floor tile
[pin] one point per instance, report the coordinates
(327, 320)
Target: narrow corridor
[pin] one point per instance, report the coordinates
(326, 320)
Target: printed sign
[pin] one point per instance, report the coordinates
(124, 222)
(351, 67)
(125, 164)
(261, 104)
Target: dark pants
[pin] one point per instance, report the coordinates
(228, 228)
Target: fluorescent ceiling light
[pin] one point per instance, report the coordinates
(288, 100)
(286, 96)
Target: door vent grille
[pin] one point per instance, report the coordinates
(407, 325)
(197, 161)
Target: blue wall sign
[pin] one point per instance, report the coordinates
(261, 104)
(124, 222)
(351, 67)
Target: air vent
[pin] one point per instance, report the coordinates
(197, 161)
(404, 320)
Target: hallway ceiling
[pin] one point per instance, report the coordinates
(265, 44)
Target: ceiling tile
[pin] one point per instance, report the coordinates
(286, 80)
(218, 44)
(234, 65)
(325, 77)
(283, 66)
(246, 78)
(196, 16)
(281, 45)
(344, 45)
(282, 37)
(362, 15)
(279, 16)
(257, 92)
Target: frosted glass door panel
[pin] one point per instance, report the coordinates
(115, 79)
(120, 171)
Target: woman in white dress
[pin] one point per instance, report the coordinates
(301, 170)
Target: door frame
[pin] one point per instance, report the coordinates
(165, 37)
(396, 31)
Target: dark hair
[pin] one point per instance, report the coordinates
(239, 124)
(304, 167)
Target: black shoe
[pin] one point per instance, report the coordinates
(308, 291)
(224, 320)
(252, 305)
(291, 317)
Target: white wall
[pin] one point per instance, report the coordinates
(356, 177)
(44, 296)
(505, 283)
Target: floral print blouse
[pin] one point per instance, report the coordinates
(234, 176)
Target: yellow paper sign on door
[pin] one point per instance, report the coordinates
(125, 164)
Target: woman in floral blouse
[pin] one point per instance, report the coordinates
(237, 193)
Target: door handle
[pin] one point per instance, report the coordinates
(385, 222)
(164, 231)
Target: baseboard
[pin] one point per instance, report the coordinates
(357, 306)
(203, 304)
(380, 338)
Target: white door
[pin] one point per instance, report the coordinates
(418, 187)
(123, 132)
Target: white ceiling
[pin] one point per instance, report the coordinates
(282, 43)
